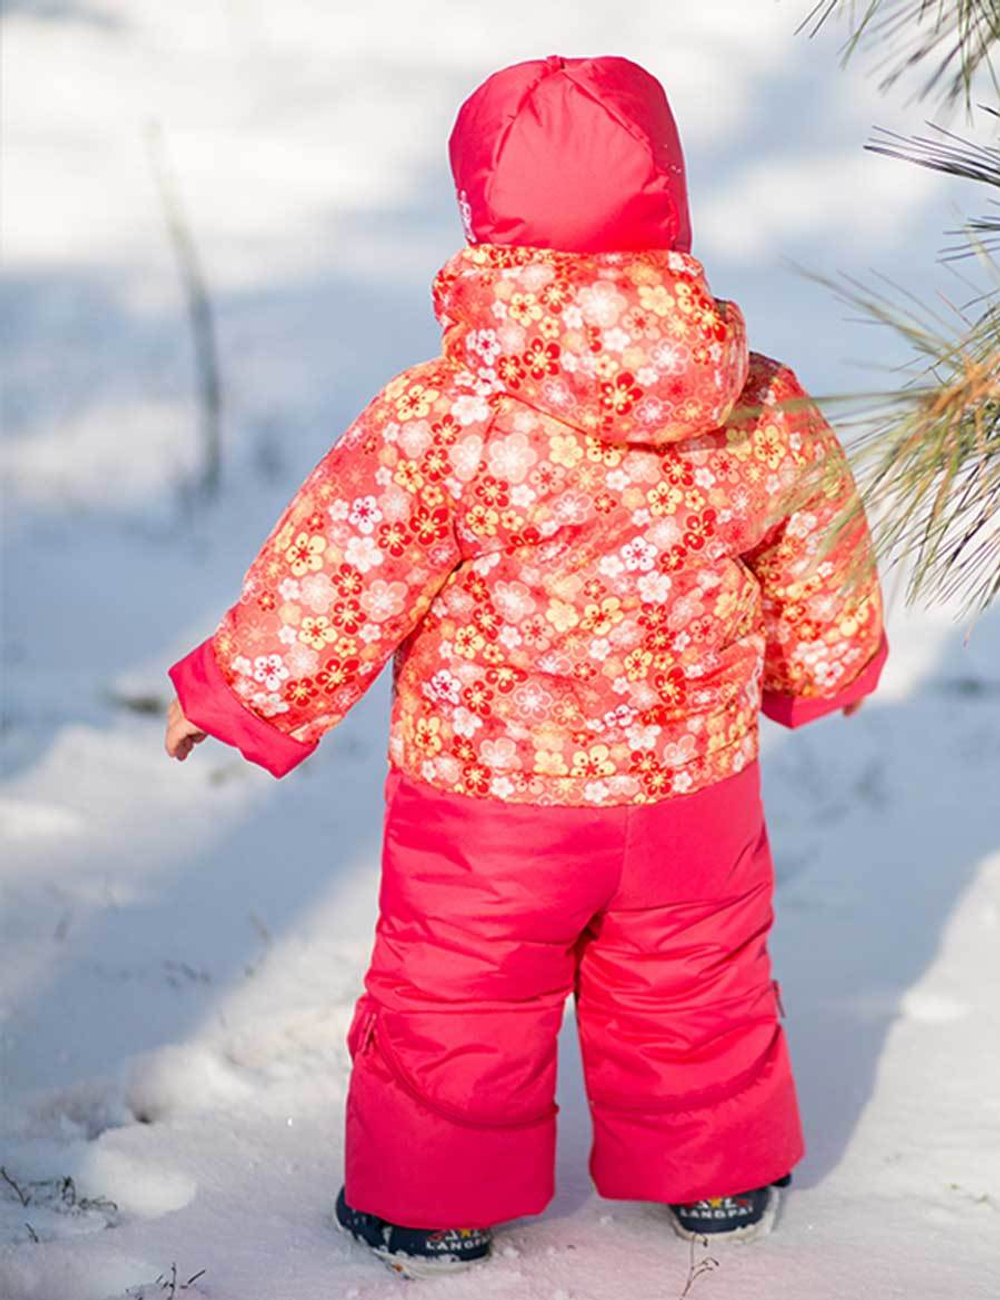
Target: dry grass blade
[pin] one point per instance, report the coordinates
(948, 42)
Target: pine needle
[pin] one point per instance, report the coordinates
(948, 42)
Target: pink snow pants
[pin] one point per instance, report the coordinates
(655, 916)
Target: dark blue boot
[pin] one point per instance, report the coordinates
(415, 1252)
(742, 1217)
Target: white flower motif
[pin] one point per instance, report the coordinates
(363, 554)
(268, 704)
(465, 722)
(270, 671)
(365, 514)
(654, 587)
(468, 409)
(638, 554)
(616, 340)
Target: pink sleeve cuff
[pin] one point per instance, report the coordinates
(796, 710)
(210, 704)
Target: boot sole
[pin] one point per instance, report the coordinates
(752, 1231)
(413, 1267)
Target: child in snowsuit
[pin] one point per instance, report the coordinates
(594, 533)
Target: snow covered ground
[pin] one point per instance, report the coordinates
(182, 944)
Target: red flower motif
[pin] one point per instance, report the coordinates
(393, 538)
(671, 687)
(429, 525)
(346, 614)
(620, 394)
(677, 472)
(541, 358)
(493, 492)
(436, 464)
(336, 673)
(477, 698)
(476, 778)
(555, 295)
(348, 581)
(698, 529)
(488, 621)
(510, 370)
(672, 560)
(300, 690)
(505, 678)
(446, 430)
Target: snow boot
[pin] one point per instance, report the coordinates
(415, 1252)
(742, 1217)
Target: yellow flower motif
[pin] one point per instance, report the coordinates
(656, 299)
(684, 297)
(565, 450)
(409, 476)
(595, 761)
(549, 762)
(637, 664)
(664, 499)
(606, 367)
(416, 402)
(468, 642)
(767, 446)
(305, 555)
(525, 308)
(317, 632)
(603, 453)
(483, 520)
(600, 619)
(427, 735)
(561, 615)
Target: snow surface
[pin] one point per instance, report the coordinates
(182, 944)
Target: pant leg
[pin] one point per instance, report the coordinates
(451, 1110)
(686, 1064)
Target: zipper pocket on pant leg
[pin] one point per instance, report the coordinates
(372, 1038)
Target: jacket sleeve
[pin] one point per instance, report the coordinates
(347, 572)
(823, 615)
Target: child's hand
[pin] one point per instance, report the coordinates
(182, 735)
(851, 709)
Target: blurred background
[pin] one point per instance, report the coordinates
(182, 944)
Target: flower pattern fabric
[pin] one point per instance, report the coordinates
(564, 531)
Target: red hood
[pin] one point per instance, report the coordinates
(576, 154)
(631, 347)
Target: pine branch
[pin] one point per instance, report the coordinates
(952, 155)
(927, 455)
(947, 41)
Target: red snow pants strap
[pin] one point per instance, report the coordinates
(490, 915)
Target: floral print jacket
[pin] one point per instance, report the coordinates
(595, 534)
